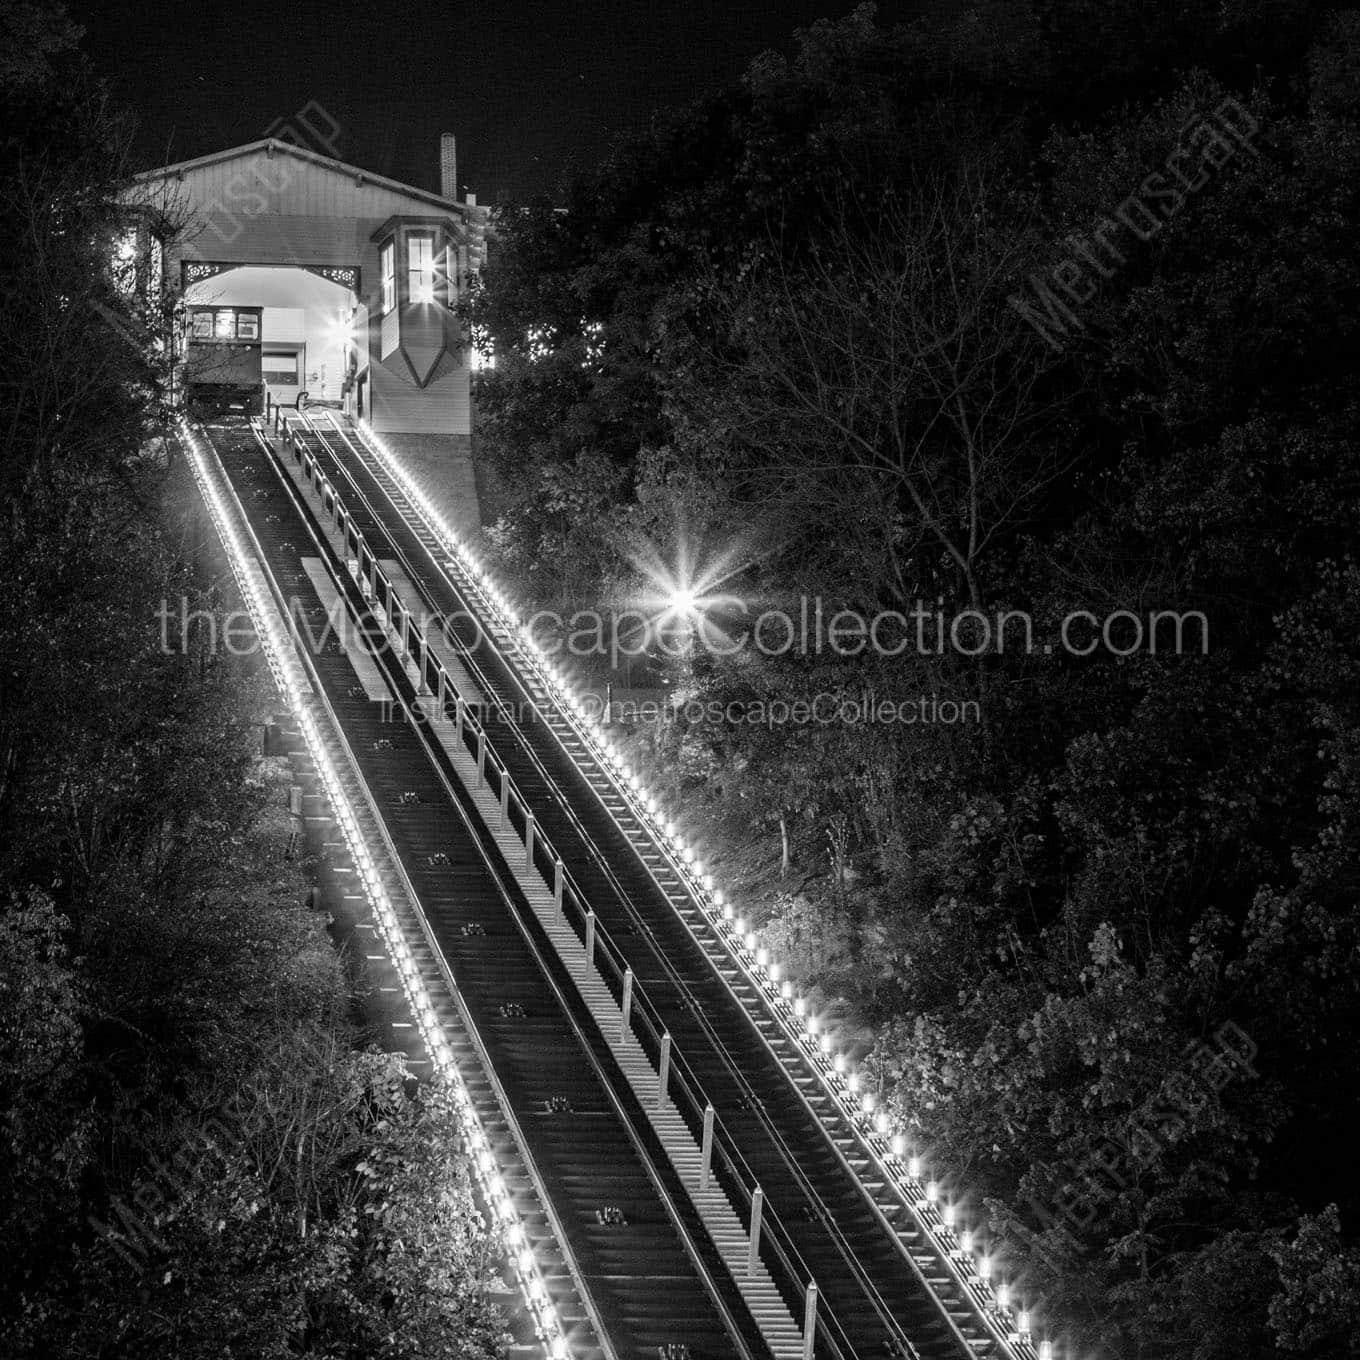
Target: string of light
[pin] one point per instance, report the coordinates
(978, 1272)
(293, 687)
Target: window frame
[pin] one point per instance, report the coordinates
(387, 257)
(420, 277)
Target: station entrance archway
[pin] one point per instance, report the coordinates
(311, 330)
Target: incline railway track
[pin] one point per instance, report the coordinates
(704, 1180)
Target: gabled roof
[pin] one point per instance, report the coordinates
(273, 146)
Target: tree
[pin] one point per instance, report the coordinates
(881, 383)
(316, 1206)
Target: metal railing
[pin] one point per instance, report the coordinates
(721, 1158)
(940, 1238)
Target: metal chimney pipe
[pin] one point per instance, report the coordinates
(448, 165)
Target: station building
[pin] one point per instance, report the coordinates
(338, 285)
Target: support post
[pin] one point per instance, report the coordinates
(443, 691)
(481, 758)
(663, 1070)
(757, 1212)
(505, 796)
(528, 840)
(423, 687)
(590, 939)
(706, 1149)
(557, 892)
(810, 1320)
(458, 710)
(626, 1007)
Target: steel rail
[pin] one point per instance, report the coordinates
(938, 1239)
(506, 886)
(848, 1255)
(740, 1178)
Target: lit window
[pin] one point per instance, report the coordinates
(420, 267)
(388, 262)
(224, 327)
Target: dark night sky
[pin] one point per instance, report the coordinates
(529, 88)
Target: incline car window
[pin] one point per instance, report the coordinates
(225, 324)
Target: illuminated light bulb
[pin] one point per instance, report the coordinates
(932, 1191)
(773, 968)
(718, 898)
(727, 911)
(1022, 1322)
(898, 1145)
(949, 1213)
(811, 1022)
(1003, 1296)
(866, 1102)
(838, 1062)
(914, 1168)
(966, 1241)
(750, 940)
(852, 1082)
(984, 1266)
(687, 855)
(1045, 1350)
(739, 926)
(526, 1262)
(881, 1121)
(799, 1007)
(825, 1043)
(786, 989)
(559, 1349)
(708, 883)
